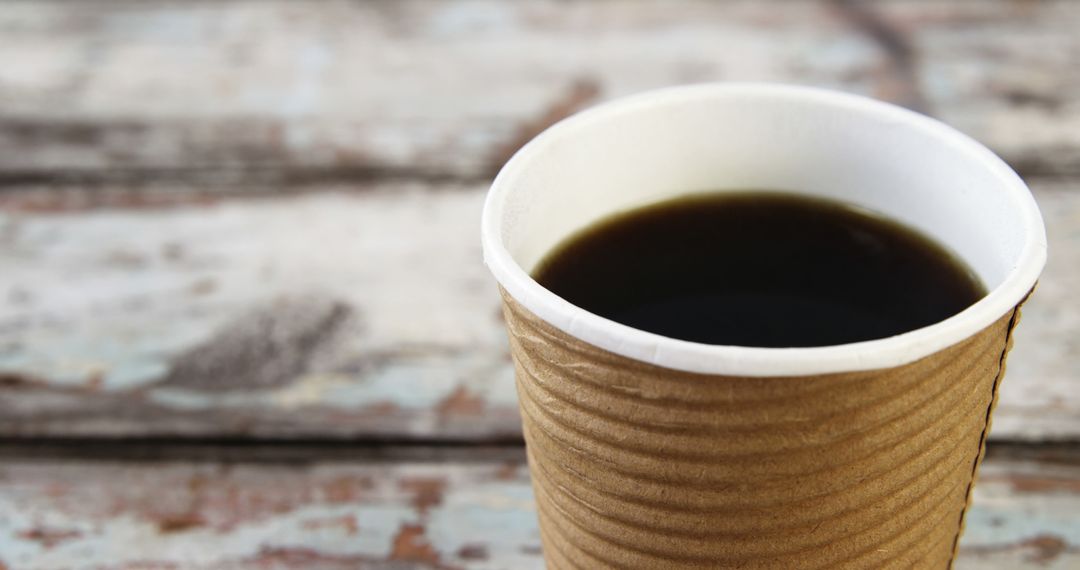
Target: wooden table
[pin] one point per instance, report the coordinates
(243, 318)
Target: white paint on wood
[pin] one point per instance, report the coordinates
(450, 88)
(472, 515)
(207, 516)
(109, 308)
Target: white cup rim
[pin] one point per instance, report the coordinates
(755, 361)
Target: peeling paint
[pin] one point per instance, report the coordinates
(201, 516)
(403, 348)
(410, 545)
(349, 86)
(427, 492)
(468, 515)
(386, 327)
(461, 402)
(418, 360)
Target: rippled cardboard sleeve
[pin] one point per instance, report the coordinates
(638, 466)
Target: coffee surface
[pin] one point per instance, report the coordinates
(759, 269)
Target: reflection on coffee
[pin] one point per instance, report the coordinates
(760, 269)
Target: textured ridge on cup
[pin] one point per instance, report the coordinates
(639, 466)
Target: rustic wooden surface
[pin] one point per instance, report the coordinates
(115, 88)
(232, 222)
(331, 313)
(347, 311)
(140, 279)
(474, 512)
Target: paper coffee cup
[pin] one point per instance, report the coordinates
(651, 452)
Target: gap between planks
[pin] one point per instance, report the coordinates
(303, 451)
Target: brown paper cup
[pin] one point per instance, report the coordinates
(648, 452)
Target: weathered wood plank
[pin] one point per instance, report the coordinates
(475, 514)
(1004, 72)
(115, 88)
(365, 313)
(325, 314)
(214, 516)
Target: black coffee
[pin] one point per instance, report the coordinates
(760, 269)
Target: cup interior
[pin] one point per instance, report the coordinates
(720, 138)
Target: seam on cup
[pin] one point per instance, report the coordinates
(981, 451)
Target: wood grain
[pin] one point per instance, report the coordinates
(117, 89)
(343, 311)
(237, 237)
(475, 514)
